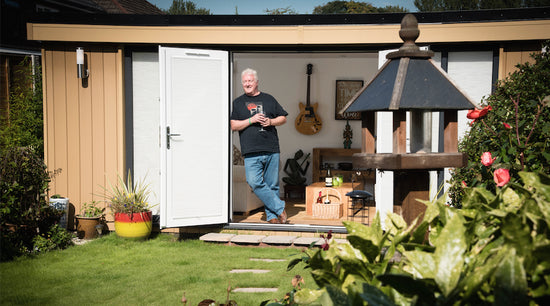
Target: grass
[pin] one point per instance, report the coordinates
(114, 271)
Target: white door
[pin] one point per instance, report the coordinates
(194, 132)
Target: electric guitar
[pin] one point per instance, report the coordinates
(308, 122)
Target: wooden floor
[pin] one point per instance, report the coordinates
(296, 211)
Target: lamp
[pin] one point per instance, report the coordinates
(81, 71)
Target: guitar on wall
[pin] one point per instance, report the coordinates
(308, 122)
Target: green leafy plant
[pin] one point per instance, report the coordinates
(492, 251)
(56, 238)
(514, 127)
(24, 211)
(91, 210)
(128, 196)
(24, 125)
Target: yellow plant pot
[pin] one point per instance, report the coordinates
(134, 226)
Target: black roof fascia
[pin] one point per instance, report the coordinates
(285, 20)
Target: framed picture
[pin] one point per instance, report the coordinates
(345, 90)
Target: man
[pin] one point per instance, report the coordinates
(255, 115)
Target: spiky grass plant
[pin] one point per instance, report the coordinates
(129, 196)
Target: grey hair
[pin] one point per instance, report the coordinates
(250, 71)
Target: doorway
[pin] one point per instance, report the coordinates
(282, 75)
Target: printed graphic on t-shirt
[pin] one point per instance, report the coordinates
(254, 107)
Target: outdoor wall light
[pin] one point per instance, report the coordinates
(81, 71)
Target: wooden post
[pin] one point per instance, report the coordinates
(409, 187)
(399, 132)
(450, 134)
(368, 143)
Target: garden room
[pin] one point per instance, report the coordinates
(157, 100)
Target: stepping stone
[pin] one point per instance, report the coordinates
(217, 237)
(267, 259)
(306, 241)
(284, 240)
(248, 239)
(252, 290)
(256, 271)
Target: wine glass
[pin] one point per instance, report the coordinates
(260, 110)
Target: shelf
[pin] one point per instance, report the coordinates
(321, 154)
(426, 161)
(365, 174)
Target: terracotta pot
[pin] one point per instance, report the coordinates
(135, 225)
(86, 227)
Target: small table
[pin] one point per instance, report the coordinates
(299, 189)
(312, 192)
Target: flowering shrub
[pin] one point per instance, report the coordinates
(501, 176)
(512, 132)
(487, 159)
(478, 113)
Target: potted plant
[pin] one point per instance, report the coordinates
(61, 204)
(131, 209)
(89, 218)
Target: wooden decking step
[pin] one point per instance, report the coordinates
(253, 290)
(255, 271)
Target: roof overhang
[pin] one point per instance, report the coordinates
(446, 27)
(290, 35)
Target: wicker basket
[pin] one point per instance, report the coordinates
(329, 211)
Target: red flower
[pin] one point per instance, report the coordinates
(506, 125)
(487, 159)
(478, 113)
(502, 177)
(464, 184)
(325, 245)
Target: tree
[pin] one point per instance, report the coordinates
(24, 125)
(461, 5)
(281, 11)
(354, 7)
(392, 9)
(180, 7)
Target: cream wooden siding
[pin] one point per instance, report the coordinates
(83, 125)
(511, 55)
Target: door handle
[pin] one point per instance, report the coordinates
(168, 137)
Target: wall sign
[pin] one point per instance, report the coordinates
(345, 90)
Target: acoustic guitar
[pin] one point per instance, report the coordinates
(308, 122)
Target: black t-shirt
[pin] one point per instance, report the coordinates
(252, 139)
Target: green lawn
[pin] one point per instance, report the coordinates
(110, 270)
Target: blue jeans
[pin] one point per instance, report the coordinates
(262, 174)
